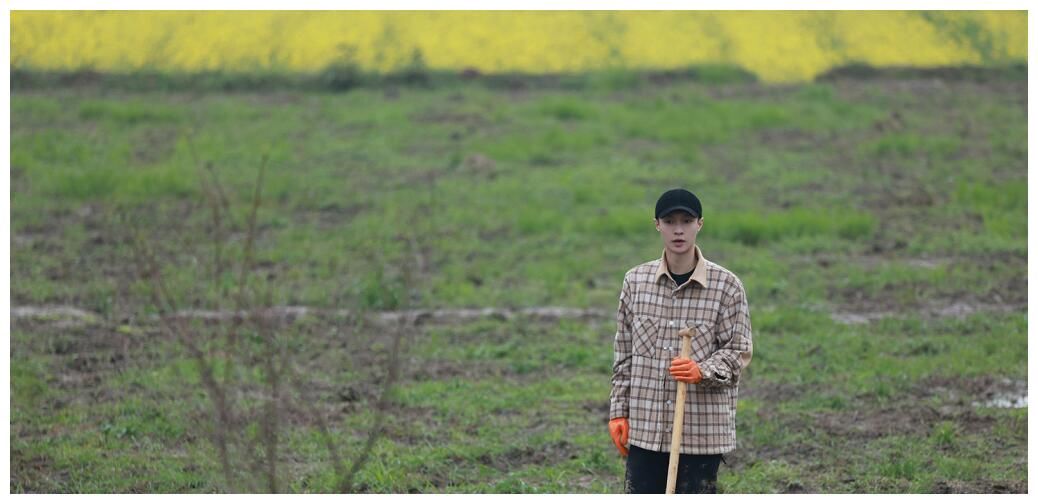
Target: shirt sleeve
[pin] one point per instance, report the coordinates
(619, 396)
(725, 365)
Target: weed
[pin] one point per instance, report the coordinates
(944, 434)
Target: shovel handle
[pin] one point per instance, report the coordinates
(679, 416)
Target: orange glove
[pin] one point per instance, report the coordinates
(685, 370)
(619, 429)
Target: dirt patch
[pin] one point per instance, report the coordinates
(970, 73)
(431, 369)
(334, 215)
(753, 91)
(974, 392)
(768, 392)
(729, 163)
(154, 145)
(953, 309)
(908, 419)
(912, 415)
(480, 166)
(646, 150)
(438, 116)
(599, 409)
(28, 238)
(333, 402)
(746, 456)
(930, 107)
(84, 347)
(274, 98)
(925, 90)
(101, 256)
(856, 309)
(549, 454)
(790, 139)
(63, 316)
(419, 317)
(980, 486)
(915, 416)
(49, 318)
(290, 314)
(496, 233)
(873, 261)
(29, 470)
(416, 426)
(854, 305)
(932, 311)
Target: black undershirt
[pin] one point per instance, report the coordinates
(680, 279)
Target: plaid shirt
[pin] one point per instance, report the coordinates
(652, 310)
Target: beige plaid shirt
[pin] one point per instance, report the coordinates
(652, 310)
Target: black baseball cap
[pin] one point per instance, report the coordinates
(678, 199)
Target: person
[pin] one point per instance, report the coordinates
(658, 298)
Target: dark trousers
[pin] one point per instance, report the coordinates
(647, 472)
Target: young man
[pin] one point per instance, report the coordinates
(659, 298)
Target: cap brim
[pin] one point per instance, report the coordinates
(675, 209)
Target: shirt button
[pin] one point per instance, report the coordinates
(669, 403)
(672, 323)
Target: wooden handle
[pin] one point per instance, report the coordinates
(679, 417)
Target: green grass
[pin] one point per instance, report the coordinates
(490, 196)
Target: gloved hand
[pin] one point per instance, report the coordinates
(619, 429)
(685, 370)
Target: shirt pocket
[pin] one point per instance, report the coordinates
(704, 339)
(669, 340)
(644, 336)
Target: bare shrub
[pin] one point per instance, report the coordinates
(247, 427)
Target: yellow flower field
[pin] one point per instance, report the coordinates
(777, 46)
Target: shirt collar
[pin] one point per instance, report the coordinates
(698, 275)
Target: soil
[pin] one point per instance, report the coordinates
(979, 487)
(853, 306)
(912, 414)
(552, 453)
(154, 145)
(29, 472)
(972, 392)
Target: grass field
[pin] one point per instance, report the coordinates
(879, 227)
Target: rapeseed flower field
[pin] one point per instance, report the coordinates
(778, 46)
